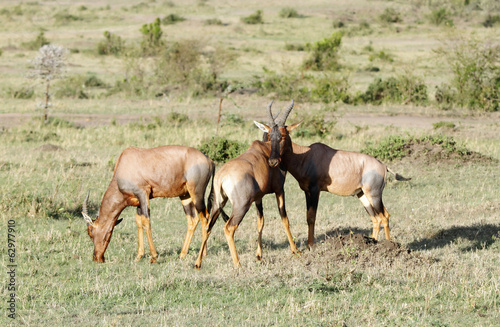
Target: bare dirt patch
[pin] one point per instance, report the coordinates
(359, 251)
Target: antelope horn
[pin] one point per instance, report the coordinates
(282, 119)
(270, 114)
(85, 212)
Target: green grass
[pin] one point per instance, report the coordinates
(447, 215)
(433, 215)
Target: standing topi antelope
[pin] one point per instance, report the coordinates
(143, 174)
(246, 179)
(320, 168)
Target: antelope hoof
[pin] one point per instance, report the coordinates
(259, 258)
(182, 255)
(138, 258)
(153, 260)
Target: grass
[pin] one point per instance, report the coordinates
(447, 215)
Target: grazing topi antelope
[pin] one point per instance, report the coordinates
(246, 179)
(143, 174)
(320, 168)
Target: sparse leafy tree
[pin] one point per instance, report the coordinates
(47, 66)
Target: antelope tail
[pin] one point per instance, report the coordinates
(398, 176)
(210, 199)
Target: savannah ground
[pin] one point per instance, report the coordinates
(441, 270)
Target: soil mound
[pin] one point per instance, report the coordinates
(428, 151)
(358, 250)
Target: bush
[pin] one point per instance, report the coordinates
(152, 41)
(285, 86)
(491, 20)
(289, 12)
(25, 92)
(443, 124)
(390, 15)
(476, 69)
(37, 43)
(440, 17)
(404, 89)
(295, 47)
(76, 86)
(302, 87)
(330, 88)
(323, 54)
(172, 19)
(220, 149)
(63, 18)
(112, 44)
(213, 21)
(382, 55)
(315, 125)
(445, 96)
(255, 18)
(184, 63)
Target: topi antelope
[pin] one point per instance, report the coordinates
(143, 174)
(320, 168)
(246, 179)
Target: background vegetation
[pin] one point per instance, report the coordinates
(414, 83)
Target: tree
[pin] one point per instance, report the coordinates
(47, 66)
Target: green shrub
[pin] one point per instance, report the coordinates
(329, 88)
(172, 19)
(315, 125)
(77, 86)
(295, 47)
(390, 15)
(286, 86)
(184, 63)
(382, 55)
(440, 17)
(404, 89)
(213, 21)
(152, 41)
(323, 54)
(37, 43)
(303, 87)
(177, 118)
(444, 124)
(255, 18)
(233, 119)
(476, 68)
(491, 20)
(113, 44)
(445, 96)
(388, 149)
(63, 17)
(220, 149)
(289, 12)
(24, 92)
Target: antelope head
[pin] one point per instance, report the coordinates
(97, 235)
(277, 133)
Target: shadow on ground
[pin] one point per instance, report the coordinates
(482, 236)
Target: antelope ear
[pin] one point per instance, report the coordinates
(118, 222)
(292, 127)
(262, 127)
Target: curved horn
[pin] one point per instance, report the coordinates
(270, 114)
(282, 119)
(85, 212)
